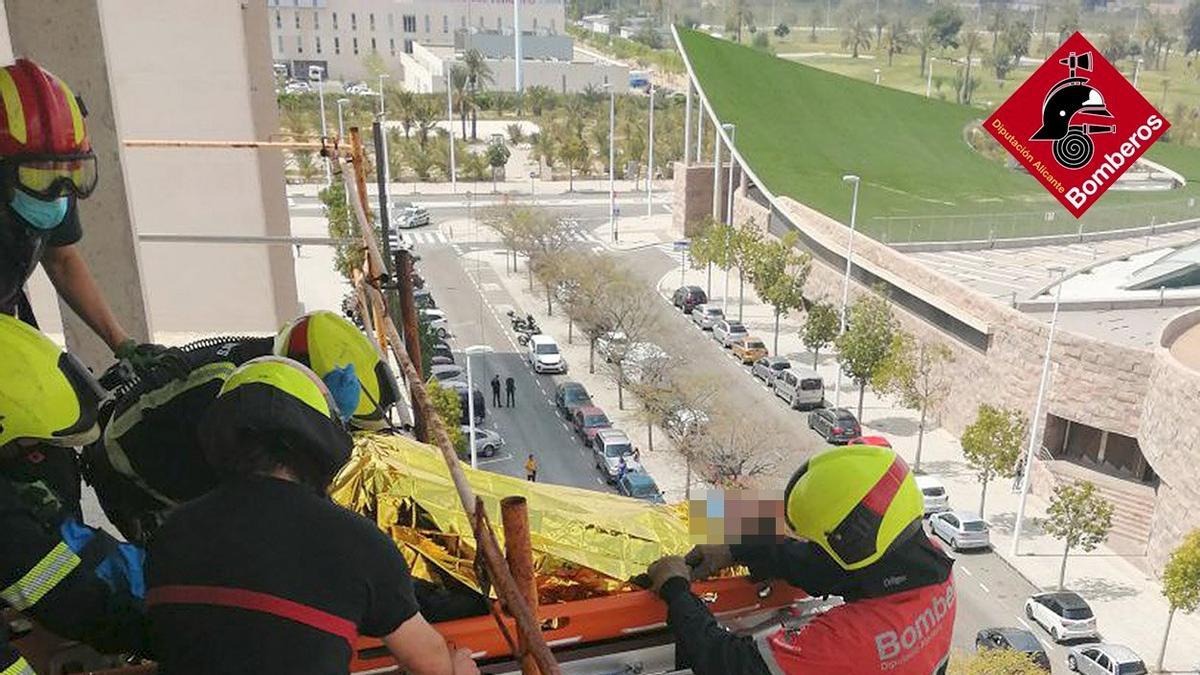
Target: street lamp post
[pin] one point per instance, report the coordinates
(324, 127)
(1137, 66)
(731, 130)
(383, 143)
(650, 172)
(853, 180)
(341, 122)
(929, 79)
(876, 76)
(1027, 466)
(450, 125)
(612, 158)
(471, 351)
(381, 78)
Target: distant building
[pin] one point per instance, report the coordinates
(560, 67)
(340, 34)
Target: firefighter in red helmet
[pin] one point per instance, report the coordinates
(46, 166)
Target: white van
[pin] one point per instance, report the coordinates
(802, 389)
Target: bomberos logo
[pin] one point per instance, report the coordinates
(1076, 124)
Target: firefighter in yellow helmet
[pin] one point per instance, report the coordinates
(855, 517)
(76, 581)
(138, 482)
(291, 587)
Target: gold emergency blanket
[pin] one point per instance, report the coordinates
(585, 543)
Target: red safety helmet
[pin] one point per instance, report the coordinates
(44, 146)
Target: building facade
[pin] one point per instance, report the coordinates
(341, 34)
(426, 67)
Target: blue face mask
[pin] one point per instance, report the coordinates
(345, 389)
(42, 215)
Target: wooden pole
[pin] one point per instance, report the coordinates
(412, 334)
(514, 514)
(376, 268)
(485, 540)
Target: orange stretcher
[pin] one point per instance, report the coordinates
(581, 622)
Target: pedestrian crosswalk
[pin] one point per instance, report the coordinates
(424, 237)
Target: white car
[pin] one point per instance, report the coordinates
(1063, 614)
(544, 355)
(436, 319)
(961, 529)
(1105, 659)
(706, 316)
(726, 332)
(934, 493)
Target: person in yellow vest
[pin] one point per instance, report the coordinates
(531, 467)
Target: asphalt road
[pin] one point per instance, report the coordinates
(593, 205)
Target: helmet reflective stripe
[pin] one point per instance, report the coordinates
(42, 116)
(13, 110)
(44, 394)
(18, 667)
(287, 376)
(41, 578)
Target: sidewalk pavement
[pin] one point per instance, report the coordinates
(1127, 601)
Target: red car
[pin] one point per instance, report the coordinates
(588, 420)
(878, 441)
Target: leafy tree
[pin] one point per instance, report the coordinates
(739, 16)
(734, 453)
(1011, 45)
(857, 34)
(971, 42)
(1181, 584)
(649, 36)
(782, 30)
(306, 165)
(744, 246)
(946, 21)
(994, 662)
(537, 96)
(1078, 515)
(778, 274)
(448, 407)
(497, 157)
(1068, 23)
(899, 38)
(574, 152)
(592, 278)
(515, 135)
(925, 39)
(864, 345)
(478, 74)
(711, 247)
(374, 65)
(820, 328)
(1116, 44)
(347, 248)
(1191, 26)
(459, 87)
(632, 311)
(992, 445)
(761, 41)
(916, 372)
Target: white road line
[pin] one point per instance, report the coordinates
(984, 587)
(963, 568)
(1024, 623)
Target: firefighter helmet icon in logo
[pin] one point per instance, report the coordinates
(1072, 98)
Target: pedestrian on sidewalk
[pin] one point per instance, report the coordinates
(510, 391)
(622, 468)
(531, 467)
(496, 391)
(1018, 475)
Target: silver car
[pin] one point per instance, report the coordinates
(706, 316)
(487, 442)
(727, 332)
(961, 529)
(1105, 659)
(769, 367)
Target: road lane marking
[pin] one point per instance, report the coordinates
(964, 568)
(1024, 623)
(984, 587)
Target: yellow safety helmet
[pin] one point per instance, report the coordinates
(46, 394)
(855, 502)
(324, 341)
(280, 399)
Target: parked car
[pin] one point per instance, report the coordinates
(609, 446)
(423, 299)
(687, 297)
(640, 485)
(571, 395)
(589, 419)
(769, 367)
(436, 319)
(706, 316)
(441, 348)
(296, 87)
(544, 355)
(480, 408)
(1016, 639)
(409, 217)
(835, 425)
(960, 529)
(610, 344)
(748, 349)
(1063, 614)
(446, 373)
(1105, 659)
(934, 493)
(643, 361)
(437, 360)
(878, 441)
(487, 442)
(726, 332)
(683, 421)
(802, 389)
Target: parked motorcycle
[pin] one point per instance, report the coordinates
(525, 324)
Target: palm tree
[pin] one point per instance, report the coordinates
(574, 151)
(898, 38)
(599, 134)
(402, 103)
(971, 42)
(739, 15)
(501, 102)
(424, 116)
(296, 122)
(923, 40)
(457, 78)
(478, 74)
(537, 96)
(857, 34)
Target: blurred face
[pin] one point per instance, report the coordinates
(738, 517)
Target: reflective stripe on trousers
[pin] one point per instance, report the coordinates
(18, 667)
(41, 579)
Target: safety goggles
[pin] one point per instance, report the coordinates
(49, 177)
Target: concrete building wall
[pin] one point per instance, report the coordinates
(533, 46)
(425, 68)
(169, 84)
(305, 29)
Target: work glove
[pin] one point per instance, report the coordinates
(706, 560)
(664, 569)
(148, 358)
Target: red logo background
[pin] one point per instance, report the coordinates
(1021, 117)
